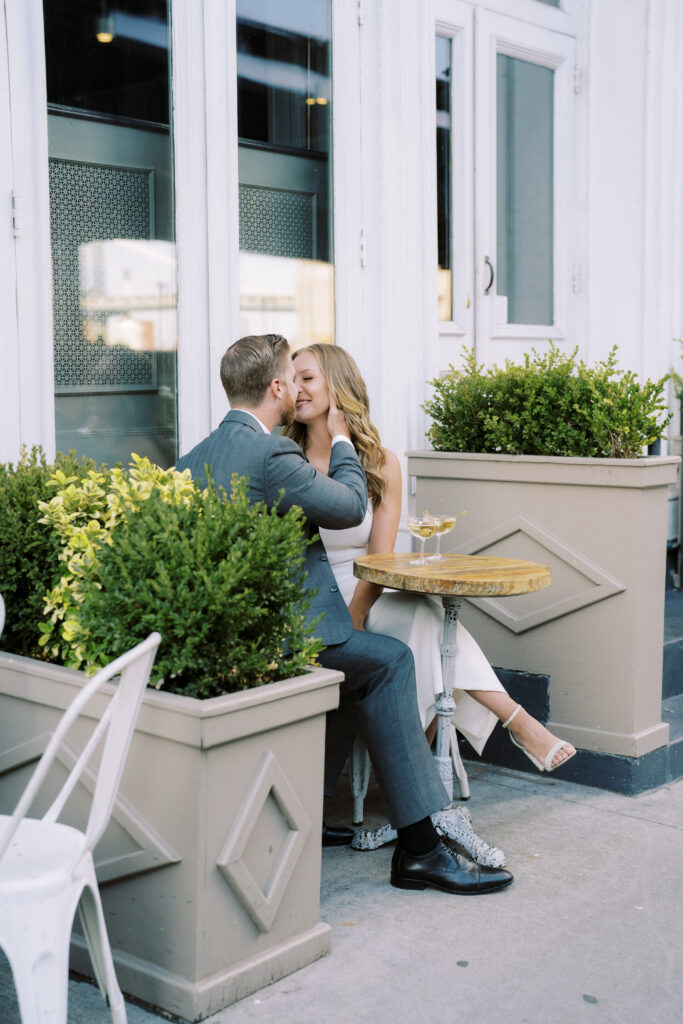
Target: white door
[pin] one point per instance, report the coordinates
(512, 184)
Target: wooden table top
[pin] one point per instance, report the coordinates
(464, 575)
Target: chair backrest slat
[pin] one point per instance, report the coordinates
(53, 812)
(117, 722)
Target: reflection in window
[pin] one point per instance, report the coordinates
(112, 230)
(284, 124)
(283, 73)
(126, 74)
(444, 176)
(525, 192)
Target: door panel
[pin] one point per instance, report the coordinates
(285, 156)
(511, 121)
(113, 290)
(112, 227)
(523, 106)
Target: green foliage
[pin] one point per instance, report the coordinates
(83, 514)
(222, 580)
(551, 404)
(29, 548)
(676, 377)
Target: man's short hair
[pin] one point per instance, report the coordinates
(249, 365)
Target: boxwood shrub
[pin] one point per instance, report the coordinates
(29, 548)
(550, 404)
(222, 580)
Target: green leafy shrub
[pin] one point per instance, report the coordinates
(29, 548)
(550, 404)
(222, 580)
(83, 513)
(676, 378)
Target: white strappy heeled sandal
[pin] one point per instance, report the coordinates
(547, 764)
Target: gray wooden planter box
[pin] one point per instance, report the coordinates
(597, 631)
(210, 867)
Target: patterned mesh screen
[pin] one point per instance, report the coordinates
(89, 202)
(277, 222)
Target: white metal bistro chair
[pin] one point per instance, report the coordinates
(47, 869)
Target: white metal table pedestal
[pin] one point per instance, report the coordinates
(447, 753)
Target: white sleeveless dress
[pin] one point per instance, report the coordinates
(417, 620)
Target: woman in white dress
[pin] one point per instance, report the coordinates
(323, 371)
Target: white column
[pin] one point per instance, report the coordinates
(28, 389)
(10, 439)
(190, 159)
(399, 208)
(207, 211)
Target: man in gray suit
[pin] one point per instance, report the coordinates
(378, 692)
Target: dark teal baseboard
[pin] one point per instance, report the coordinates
(628, 775)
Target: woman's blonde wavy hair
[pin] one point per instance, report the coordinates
(350, 394)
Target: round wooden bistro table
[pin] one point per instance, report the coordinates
(452, 577)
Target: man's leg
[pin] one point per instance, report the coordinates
(378, 696)
(379, 688)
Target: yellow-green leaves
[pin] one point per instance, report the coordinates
(29, 548)
(83, 513)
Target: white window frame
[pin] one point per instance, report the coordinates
(349, 176)
(496, 34)
(455, 21)
(560, 19)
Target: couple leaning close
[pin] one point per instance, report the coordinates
(349, 488)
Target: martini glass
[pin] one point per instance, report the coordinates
(422, 527)
(445, 523)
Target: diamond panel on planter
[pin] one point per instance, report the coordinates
(577, 581)
(262, 901)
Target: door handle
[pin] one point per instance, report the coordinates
(492, 276)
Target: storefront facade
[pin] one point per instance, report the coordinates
(400, 178)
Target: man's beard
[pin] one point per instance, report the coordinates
(288, 411)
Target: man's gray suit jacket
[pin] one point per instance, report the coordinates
(378, 692)
(273, 464)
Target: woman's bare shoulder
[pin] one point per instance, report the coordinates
(391, 470)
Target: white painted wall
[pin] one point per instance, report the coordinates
(633, 106)
(624, 269)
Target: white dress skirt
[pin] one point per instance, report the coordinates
(417, 620)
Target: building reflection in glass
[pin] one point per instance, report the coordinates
(285, 194)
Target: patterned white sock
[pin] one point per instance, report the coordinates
(454, 823)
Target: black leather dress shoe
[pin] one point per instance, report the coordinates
(446, 870)
(337, 835)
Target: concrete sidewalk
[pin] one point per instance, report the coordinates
(591, 930)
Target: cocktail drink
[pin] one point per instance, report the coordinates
(423, 527)
(445, 523)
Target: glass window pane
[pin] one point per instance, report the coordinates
(525, 191)
(444, 177)
(285, 169)
(112, 228)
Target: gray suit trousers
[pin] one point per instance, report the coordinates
(378, 698)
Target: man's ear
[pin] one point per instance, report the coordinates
(276, 387)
